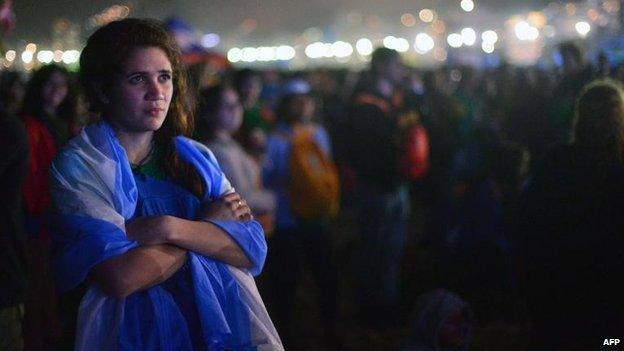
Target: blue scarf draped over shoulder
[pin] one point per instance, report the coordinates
(94, 193)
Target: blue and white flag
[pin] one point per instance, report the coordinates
(95, 193)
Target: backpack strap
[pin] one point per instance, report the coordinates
(310, 130)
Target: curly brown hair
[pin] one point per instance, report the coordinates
(106, 52)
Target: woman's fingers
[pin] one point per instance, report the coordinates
(231, 207)
(243, 212)
(232, 200)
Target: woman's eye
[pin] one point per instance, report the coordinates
(136, 79)
(165, 77)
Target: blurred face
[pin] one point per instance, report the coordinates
(17, 91)
(301, 108)
(230, 114)
(142, 91)
(250, 90)
(54, 91)
(571, 64)
(395, 71)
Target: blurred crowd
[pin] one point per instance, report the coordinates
(404, 208)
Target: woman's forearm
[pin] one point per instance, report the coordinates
(138, 269)
(209, 240)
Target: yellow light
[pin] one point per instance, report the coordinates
(438, 27)
(455, 40)
(58, 56)
(469, 36)
(489, 36)
(27, 56)
(266, 53)
(45, 56)
(31, 47)
(250, 54)
(426, 15)
(582, 28)
(408, 20)
(537, 19)
(364, 46)
(342, 49)
(439, 54)
(423, 43)
(10, 55)
(315, 50)
(285, 52)
(488, 48)
(592, 14)
(234, 55)
(467, 5)
(70, 56)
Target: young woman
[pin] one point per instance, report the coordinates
(147, 218)
(48, 114)
(220, 114)
(572, 229)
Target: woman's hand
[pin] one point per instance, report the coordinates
(151, 230)
(230, 207)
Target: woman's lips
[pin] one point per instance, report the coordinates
(154, 111)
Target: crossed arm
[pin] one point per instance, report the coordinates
(164, 242)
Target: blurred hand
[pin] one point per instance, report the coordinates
(151, 230)
(230, 207)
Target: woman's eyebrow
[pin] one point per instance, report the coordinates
(132, 73)
(161, 71)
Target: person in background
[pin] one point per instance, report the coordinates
(11, 92)
(442, 321)
(257, 121)
(571, 229)
(219, 117)
(13, 249)
(48, 113)
(576, 74)
(298, 240)
(383, 195)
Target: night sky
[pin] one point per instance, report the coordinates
(274, 17)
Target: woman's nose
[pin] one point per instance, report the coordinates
(154, 90)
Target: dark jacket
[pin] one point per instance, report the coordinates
(573, 231)
(374, 140)
(13, 168)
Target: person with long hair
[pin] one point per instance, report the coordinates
(48, 114)
(572, 229)
(145, 216)
(219, 116)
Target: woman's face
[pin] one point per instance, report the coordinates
(141, 93)
(230, 114)
(54, 91)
